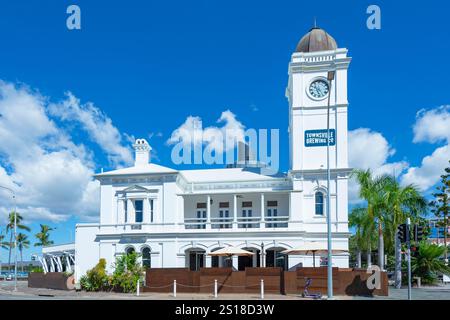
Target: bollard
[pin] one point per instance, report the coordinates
(262, 288)
(175, 288)
(137, 288)
(215, 288)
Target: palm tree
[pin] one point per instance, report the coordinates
(372, 190)
(22, 243)
(401, 203)
(363, 237)
(3, 245)
(427, 263)
(44, 236)
(12, 218)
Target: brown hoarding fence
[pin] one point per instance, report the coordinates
(345, 281)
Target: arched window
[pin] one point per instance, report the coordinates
(129, 250)
(146, 257)
(319, 203)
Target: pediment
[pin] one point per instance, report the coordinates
(136, 188)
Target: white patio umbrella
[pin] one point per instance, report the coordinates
(312, 247)
(230, 251)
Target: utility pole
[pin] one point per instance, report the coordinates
(330, 77)
(408, 243)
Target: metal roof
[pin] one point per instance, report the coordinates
(316, 39)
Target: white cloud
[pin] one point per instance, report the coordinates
(220, 139)
(428, 173)
(50, 173)
(190, 132)
(370, 150)
(254, 107)
(431, 126)
(97, 125)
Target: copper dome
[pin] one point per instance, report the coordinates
(316, 39)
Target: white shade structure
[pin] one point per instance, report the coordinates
(313, 247)
(230, 251)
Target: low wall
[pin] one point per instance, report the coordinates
(248, 281)
(350, 282)
(161, 279)
(345, 281)
(51, 280)
(355, 283)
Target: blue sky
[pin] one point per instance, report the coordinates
(148, 65)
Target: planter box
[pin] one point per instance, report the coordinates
(51, 280)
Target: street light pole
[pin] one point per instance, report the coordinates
(330, 77)
(262, 255)
(15, 235)
(408, 250)
(1, 247)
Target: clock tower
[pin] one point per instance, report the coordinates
(309, 93)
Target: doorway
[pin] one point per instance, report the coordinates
(196, 259)
(274, 258)
(249, 261)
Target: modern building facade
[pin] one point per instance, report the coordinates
(175, 218)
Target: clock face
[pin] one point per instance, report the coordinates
(318, 89)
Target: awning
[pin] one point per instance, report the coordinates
(230, 251)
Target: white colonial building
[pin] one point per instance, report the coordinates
(174, 218)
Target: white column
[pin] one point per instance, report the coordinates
(263, 210)
(115, 219)
(234, 211)
(146, 211)
(130, 211)
(120, 211)
(68, 266)
(208, 261)
(208, 212)
(235, 262)
(261, 257)
(161, 254)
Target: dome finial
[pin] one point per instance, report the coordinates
(316, 39)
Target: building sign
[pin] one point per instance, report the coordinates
(318, 138)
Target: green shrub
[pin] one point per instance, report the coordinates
(37, 269)
(96, 279)
(428, 262)
(127, 273)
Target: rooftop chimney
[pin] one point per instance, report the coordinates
(142, 152)
(246, 155)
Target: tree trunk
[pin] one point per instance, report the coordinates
(369, 257)
(358, 259)
(398, 262)
(380, 247)
(21, 260)
(445, 238)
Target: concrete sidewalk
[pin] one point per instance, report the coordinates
(25, 293)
